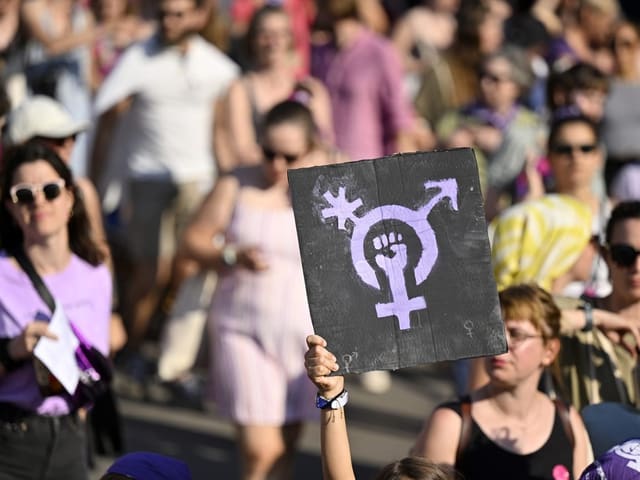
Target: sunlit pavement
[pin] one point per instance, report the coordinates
(382, 427)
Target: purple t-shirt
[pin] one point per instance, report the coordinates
(84, 291)
(367, 97)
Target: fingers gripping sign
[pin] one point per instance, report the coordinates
(320, 363)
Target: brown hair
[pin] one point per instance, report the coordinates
(530, 302)
(254, 27)
(11, 238)
(291, 111)
(416, 468)
(342, 9)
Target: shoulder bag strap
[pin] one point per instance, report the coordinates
(563, 412)
(36, 280)
(465, 430)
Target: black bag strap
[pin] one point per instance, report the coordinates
(565, 418)
(465, 430)
(36, 280)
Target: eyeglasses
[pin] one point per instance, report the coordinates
(623, 255)
(270, 155)
(566, 149)
(25, 193)
(516, 336)
(492, 77)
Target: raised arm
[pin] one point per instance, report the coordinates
(241, 129)
(334, 440)
(34, 10)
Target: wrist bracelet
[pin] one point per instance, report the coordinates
(588, 316)
(229, 255)
(7, 362)
(336, 403)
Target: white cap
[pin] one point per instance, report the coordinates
(41, 116)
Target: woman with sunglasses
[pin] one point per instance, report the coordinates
(623, 257)
(576, 159)
(43, 217)
(259, 314)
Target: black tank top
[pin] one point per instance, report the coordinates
(483, 459)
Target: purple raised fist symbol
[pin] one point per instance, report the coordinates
(391, 250)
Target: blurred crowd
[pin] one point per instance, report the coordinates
(179, 119)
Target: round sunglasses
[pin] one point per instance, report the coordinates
(624, 255)
(25, 193)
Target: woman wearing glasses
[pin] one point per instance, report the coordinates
(597, 364)
(42, 216)
(259, 314)
(507, 428)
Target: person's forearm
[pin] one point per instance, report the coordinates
(69, 42)
(334, 442)
(207, 255)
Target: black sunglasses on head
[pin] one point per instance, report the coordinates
(25, 193)
(623, 254)
(566, 149)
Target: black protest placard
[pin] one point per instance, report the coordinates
(397, 261)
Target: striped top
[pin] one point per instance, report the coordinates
(540, 240)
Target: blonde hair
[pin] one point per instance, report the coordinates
(530, 302)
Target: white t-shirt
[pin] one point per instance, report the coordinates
(170, 122)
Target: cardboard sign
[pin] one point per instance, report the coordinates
(397, 261)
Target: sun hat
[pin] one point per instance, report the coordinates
(41, 116)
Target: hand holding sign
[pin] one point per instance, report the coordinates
(320, 363)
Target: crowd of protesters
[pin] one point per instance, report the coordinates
(144, 153)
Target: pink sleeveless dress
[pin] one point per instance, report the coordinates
(258, 325)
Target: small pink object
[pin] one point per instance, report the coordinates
(560, 472)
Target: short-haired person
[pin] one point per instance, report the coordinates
(512, 429)
(622, 255)
(43, 216)
(566, 256)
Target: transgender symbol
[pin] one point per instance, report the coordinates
(391, 249)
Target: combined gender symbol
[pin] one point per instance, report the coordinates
(391, 249)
